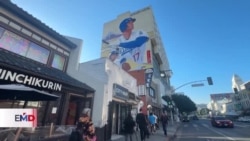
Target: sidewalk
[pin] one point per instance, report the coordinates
(157, 136)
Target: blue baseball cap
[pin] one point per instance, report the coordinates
(114, 52)
(123, 24)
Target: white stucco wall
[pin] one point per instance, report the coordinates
(119, 76)
(74, 57)
(94, 75)
(82, 74)
(101, 74)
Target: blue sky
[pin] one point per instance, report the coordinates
(201, 37)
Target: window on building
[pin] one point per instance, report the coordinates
(38, 53)
(151, 92)
(14, 43)
(58, 62)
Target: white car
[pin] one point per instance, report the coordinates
(244, 119)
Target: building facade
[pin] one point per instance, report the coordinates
(132, 41)
(219, 102)
(33, 55)
(241, 94)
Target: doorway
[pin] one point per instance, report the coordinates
(76, 105)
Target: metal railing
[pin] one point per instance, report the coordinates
(43, 133)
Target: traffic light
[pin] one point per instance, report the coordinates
(209, 81)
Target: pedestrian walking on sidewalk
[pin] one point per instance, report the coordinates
(142, 123)
(164, 121)
(88, 128)
(152, 120)
(129, 125)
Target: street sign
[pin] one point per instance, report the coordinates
(197, 85)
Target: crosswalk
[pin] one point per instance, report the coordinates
(221, 135)
(193, 125)
(208, 125)
(241, 125)
(187, 125)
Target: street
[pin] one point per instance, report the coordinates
(201, 130)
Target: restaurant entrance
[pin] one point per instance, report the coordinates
(77, 104)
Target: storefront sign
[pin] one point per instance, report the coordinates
(12, 76)
(120, 91)
(131, 96)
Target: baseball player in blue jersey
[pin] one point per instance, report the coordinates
(132, 45)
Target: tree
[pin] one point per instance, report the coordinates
(184, 103)
(204, 111)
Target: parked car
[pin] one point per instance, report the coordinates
(185, 119)
(195, 118)
(243, 119)
(219, 121)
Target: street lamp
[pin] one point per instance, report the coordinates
(163, 73)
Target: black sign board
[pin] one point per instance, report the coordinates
(131, 96)
(18, 77)
(120, 91)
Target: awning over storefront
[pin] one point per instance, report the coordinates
(21, 92)
(29, 68)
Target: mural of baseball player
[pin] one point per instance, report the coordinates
(128, 50)
(132, 44)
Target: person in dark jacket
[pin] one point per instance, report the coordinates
(164, 121)
(129, 125)
(77, 133)
(142, 123)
